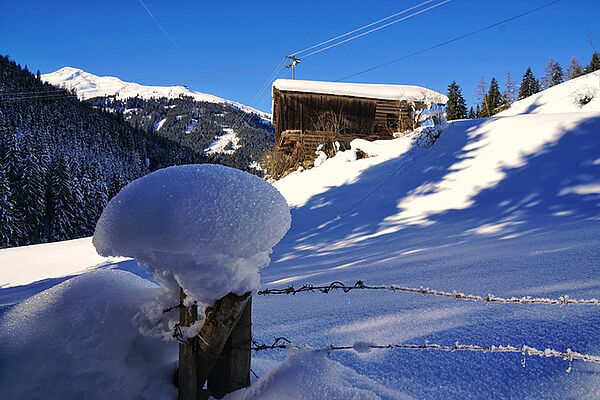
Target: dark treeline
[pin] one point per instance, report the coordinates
(491, 100)
(61, 160)
(195, 124)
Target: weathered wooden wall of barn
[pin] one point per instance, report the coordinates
(363, 117)
(302, 111)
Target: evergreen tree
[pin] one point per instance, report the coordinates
(472, 114)
(554, 74)
(575, 70)
(456, 107)
(492, 100)
(478, 112)
(529, 85)
(116, 184)
(34, 198)
(63, 213)
(10, 229)
(594, 64)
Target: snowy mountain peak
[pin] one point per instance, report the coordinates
(88, 85)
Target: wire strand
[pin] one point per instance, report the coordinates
(376, 29)
(490, 298)
(466, 35)
(361, 28)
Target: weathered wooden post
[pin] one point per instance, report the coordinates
(220, 353)
(208, 229)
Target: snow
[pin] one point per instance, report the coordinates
(563, 98)
(368, 90)
(159, 124)
(193, 228)
(23, 265)
(307, 373)
(340, 170)
(81, 339)
(507, 205)
(221, 142)
(190, 127)
(88, 85)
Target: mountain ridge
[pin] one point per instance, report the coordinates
(88, 85)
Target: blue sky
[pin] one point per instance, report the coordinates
(245, 40)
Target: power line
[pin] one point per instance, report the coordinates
(451, 40)
(376, 29)
(163, 29)
(361, 28)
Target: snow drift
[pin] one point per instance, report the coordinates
(81, 339)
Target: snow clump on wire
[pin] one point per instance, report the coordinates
(206, 228)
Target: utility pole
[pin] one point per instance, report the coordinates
(294, 61)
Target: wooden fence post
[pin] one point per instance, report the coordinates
(199, 355)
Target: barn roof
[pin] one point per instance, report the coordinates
(365, 90)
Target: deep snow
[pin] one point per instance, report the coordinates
(508, 205)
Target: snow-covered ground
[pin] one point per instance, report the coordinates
(88, 85)
(508, 205)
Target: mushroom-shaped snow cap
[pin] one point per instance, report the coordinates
(193, 211)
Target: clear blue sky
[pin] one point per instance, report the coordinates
(248, 38)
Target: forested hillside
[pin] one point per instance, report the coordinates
(61, 159)
(197, 125)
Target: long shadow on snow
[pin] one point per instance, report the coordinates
(536, 195)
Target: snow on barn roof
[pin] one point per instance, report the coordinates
(367, 90)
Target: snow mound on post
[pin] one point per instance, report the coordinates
(206, 228)
(80, 339)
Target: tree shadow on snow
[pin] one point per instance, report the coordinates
(547, 188)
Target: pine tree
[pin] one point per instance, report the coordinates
(575, 70)
(529, 85)
(554, 74)
(34, 197)
(493, 98)
(472, 114)
(594, 64)
(10, 229)
(116, 184)
(456, 107)
(62, 202)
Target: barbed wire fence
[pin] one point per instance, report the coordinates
(363, 347)
(490, 298)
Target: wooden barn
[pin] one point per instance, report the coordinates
(310, 113)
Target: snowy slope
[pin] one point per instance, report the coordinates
(508, 205)
(88, 85)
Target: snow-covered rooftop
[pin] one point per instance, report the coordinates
(368, 90)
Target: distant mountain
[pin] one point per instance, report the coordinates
(88, 85)
(224, 131)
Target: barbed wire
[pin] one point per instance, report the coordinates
(490, 298)
(363, 347)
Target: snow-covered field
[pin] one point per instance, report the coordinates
(508, 205)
